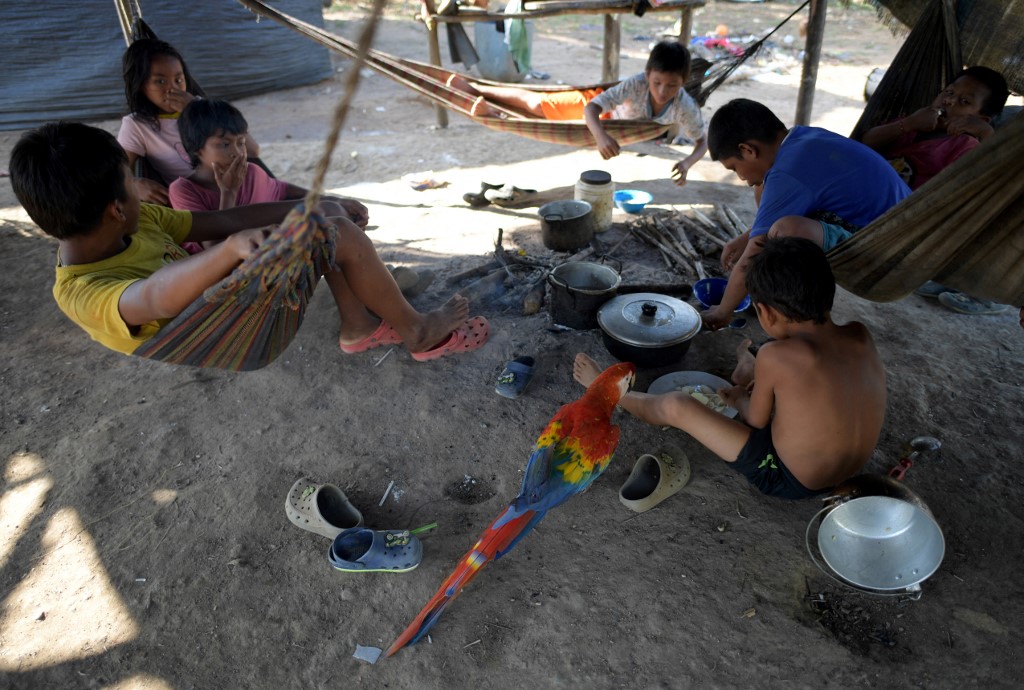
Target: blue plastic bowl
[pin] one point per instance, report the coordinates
(632, 200)
(709, 291)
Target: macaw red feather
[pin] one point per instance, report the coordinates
(572, 451)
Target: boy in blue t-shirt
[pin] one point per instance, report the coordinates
(812, 183)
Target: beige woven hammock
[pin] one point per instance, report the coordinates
(963, 228)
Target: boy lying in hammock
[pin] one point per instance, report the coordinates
(656, 94)
(813, 184)
(122, 274)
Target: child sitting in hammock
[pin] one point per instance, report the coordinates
(122, 274)
(921, 144)
(656, 94)
(157, 86)
(926, 141)
(214, 135)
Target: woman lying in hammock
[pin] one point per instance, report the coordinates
(656, 94)
(122, 274)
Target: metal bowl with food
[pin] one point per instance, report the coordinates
(701, 386)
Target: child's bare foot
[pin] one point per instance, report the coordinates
(743, 374)
(438, 324)
(585, 369)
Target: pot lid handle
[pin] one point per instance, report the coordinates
(649, 309)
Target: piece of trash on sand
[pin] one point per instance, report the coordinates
(370, 654)
(425, 180)
(386, 492)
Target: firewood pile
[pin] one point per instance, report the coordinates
(689, 241)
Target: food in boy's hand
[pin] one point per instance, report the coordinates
(706, 397)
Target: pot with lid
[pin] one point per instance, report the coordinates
(648, 329)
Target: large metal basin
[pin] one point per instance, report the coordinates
(881, 543)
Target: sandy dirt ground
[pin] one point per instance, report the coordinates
(144, 542)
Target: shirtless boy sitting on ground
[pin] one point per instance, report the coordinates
(812, 401)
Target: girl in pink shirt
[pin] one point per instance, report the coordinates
(157, 86)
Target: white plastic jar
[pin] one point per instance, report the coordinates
(597, 188)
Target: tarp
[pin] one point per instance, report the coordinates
(62, 58)
(991, 32)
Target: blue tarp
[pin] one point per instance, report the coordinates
(62, 58)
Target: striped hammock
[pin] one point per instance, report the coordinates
(246, 320)
(432, 82)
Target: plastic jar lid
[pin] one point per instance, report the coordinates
(595, 177)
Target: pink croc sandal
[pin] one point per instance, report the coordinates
(384, 335)
(466, 338)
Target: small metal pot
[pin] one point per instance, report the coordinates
(566, 225)
(648, 329)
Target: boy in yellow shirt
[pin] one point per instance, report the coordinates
(122, 274)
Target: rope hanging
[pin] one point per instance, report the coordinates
(247, 320)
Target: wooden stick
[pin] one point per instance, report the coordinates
(741, 227)
(707, 222)
(725, 220)
(480, 290)
(714, 238)
(690, 248)
(668, 252)
(499, 253)
(533, 300)
(481, 270)
(686, 249)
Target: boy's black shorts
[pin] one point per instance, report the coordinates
(759, 462)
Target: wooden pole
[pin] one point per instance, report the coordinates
(429, 10)
(610, 63)
(812, 54)
(685, 26)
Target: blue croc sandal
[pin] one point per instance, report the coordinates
(515, 377)
(362, 550)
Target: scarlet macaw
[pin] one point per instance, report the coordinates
(572, 451)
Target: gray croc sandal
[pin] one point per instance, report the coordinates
(965, 304)
(932, 289)
(654, 478)
(322, 509)
(515, 377)
(362, 550)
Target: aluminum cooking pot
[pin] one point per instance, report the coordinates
(566, 225)
(648, 329)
